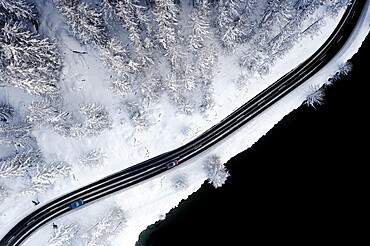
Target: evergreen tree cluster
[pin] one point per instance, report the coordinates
(27, 60)
(185, 38)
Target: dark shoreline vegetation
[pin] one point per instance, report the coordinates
(301, 182)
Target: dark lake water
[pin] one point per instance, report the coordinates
(303, 182)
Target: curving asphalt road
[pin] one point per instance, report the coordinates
(154, 166)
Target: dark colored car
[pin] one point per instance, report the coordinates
(172, 164)
(75, 204)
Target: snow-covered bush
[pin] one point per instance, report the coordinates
(93, 158)
(137, 114)
(345, 69)
(17, 10)
(215, 171)
(315, 96)
(180, 181)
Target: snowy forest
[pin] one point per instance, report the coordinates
(154, 50)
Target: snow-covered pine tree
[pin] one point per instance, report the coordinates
(6, 112)
(176, 93)
(151, 87)
(28, 61)
(85, 22)
(46, 112)
(345, 68)
(137, 23)
(307, 7)
(207, 61)
(334, 7)
(241, 80)
(108, 11)
(249, 62)
(97, 118)
(17, 135)
(230, 22)
(45, 175)
(70, 130)
(200, 25)
(215, 171)
(283, 42)
(116, 58)
(18, 165)
(207, 102)
(16, 10)
(166, 16)
(277, 13)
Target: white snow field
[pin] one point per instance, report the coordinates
(152, 84)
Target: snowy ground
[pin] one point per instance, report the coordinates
(84, 78)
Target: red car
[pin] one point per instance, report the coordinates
(172, 164)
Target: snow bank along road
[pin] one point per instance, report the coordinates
(154, 166)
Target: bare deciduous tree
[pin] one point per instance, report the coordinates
(108, 226)
(63, 235)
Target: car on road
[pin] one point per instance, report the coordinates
(76, 204)
(172, 164)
